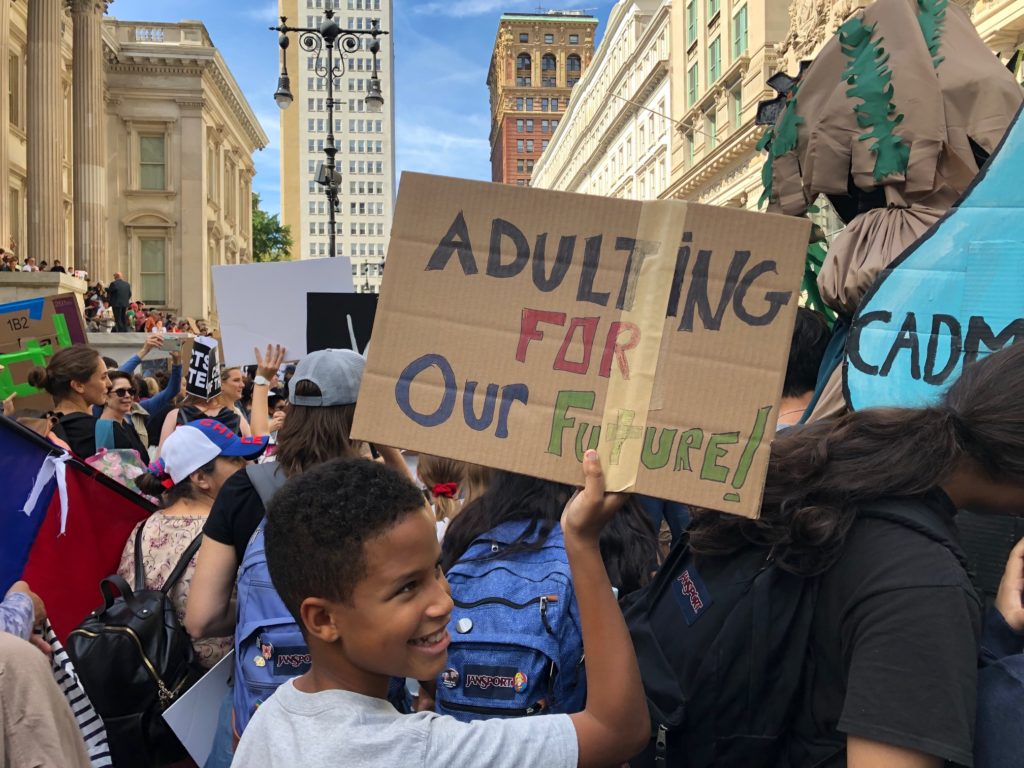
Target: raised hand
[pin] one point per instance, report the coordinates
(268, 364)
(590, 509)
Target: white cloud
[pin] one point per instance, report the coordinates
(423, 148)
(464, 8)
(267, 12)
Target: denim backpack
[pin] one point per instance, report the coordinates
(269, 648)
(516, 645)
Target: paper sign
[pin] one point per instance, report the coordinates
(195, 716)
(260, 304)
(30, 332)
(339, 320)
(956, 295)
(203, 378)
(518, 327)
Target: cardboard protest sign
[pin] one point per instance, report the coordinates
(203, 378)
(517, 328)
(31, 330)
(260, 304)
(339, 320)
(957, 294)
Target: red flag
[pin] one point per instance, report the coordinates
(65, 570)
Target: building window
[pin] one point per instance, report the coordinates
(691, 22)
(573, 67)
(520, 165)
(152, 163)
(574, 39)
(739, 32)
(690, 149)
(524, 37)
(548, 71)
(549, 38)
(692, 75)
(519, 145)
(544, 126)
(543, 144)
(543, 105)
(519, 126)
(524, 72)
(712, 10)
(714, 61)
(519, 104)
(554, 124)
(712, 130)
(153, 270)
(529, 126)
(529, 105)
(736, 97)
(529, 145)
(14, 91)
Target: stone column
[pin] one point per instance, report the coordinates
(45, 102)
(5, 121)
(89, 127)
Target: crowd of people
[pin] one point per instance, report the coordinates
(383, 607)
(104, 305)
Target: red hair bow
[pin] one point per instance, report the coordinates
(445, 489)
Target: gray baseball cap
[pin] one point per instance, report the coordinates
(336, 372)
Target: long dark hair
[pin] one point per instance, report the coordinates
(821, 474)
(629, 545)
(312, 435)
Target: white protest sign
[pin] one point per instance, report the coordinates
(194, 716)
(260, 304)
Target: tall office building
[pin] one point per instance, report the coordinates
(365, 141)
(537, 59)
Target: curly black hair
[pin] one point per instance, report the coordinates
(319, 520)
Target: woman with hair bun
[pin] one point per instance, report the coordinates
(196, 460)
(890, 674)
(76, 378)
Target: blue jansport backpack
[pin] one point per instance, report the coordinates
(269, 647)
(516, 646)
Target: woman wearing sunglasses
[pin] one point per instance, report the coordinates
(122, 408)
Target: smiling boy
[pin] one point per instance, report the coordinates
(353, 552)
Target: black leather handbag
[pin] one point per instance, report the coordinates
(134, 659)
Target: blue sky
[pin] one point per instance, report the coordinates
(442, 51)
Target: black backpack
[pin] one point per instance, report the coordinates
(722, 645)
(134, 660)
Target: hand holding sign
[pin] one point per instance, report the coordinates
(656, 333)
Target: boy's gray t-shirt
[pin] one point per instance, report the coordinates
(343, 728)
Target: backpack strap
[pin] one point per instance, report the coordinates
(103, 434)
(918, 516)
(183, 563)
(140, 574)
(266, 479)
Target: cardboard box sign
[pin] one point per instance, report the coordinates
(31, 330)
(517, 328)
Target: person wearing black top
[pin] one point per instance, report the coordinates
(119, 294)
(76, 379)
(890, 675)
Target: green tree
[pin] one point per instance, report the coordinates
(271, 240)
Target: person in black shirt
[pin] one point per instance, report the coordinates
(76, 378)
(891, 671)
(321, 407)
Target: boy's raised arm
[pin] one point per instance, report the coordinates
(615, 725)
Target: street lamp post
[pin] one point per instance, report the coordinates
(346, 41)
